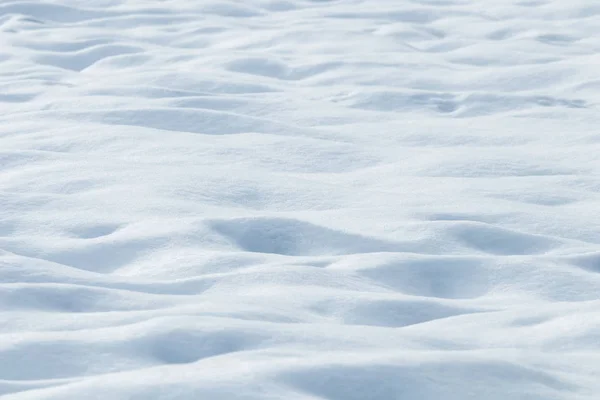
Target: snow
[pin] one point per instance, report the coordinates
(299, 199)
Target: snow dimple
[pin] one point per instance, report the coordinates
(39, 11)
(390, 313)
(187, 346)
(589, 262)
(500, 241)
(260, 66)
(93, 231)
(472, 105)
(80, 60)
(278, 69)
(73, 299)
(299, 199)
(296, 238)
(439, 277)
(104, 256)
(389, 379)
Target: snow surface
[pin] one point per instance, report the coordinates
(300, 199)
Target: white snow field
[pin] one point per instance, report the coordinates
(300, 199)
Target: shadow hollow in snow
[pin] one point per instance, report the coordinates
(499, 241)
(442, 277)
(423, 380)
(104, 256)
(186, 346)
(82, 59)
(296, 238)
(93, 231)
(50, 12)
(391, 312)
(202, 121)
(589, 262)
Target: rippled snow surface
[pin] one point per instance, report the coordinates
(300, 199)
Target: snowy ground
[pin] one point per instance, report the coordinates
(300, 199)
